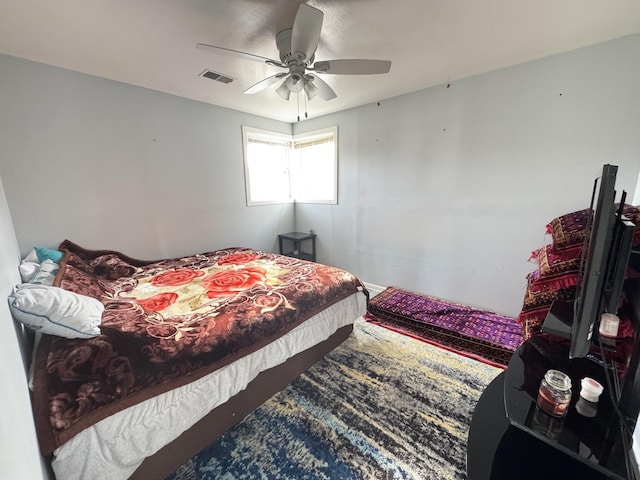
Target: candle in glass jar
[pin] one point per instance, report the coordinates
(554, 394)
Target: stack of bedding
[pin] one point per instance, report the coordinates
(559, 263)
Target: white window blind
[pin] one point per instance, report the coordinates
(266, 162)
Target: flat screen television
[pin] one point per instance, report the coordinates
(605, 254)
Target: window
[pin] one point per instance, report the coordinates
(280, 168)
(314, 167)
(266, 166)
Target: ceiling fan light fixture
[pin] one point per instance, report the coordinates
(295, 83)
(283, 90)
(310, 89)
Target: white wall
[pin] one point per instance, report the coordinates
(446, 191)
(19, 453)
(110, 165)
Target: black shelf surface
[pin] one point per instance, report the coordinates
(595, 441)
(297, 235)
(499, 451)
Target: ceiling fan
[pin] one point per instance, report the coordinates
(297, 48)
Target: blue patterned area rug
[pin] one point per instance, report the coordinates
(380, 406)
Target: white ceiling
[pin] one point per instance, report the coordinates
(151, 43)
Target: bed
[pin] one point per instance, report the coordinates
(184, 348)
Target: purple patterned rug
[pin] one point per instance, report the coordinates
(487, 336)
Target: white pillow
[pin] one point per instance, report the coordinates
(28, 270)
(46, 274)
(29, 265)
(32, 256)
(55, 311)
(34, 260)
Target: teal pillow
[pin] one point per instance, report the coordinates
(48, 254)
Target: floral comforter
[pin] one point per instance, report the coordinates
(167, 323)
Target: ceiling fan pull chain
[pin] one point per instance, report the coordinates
(298, 100)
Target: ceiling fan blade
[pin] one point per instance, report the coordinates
(325, 92)
(353, 67)
(306, 31)
(236, 53)
(267, 82)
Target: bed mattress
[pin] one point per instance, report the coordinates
(114, 447)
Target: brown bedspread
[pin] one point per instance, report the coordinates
(167, 323)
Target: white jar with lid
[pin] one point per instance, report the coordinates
(591, 389)
(609, 324)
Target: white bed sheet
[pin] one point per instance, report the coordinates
(116, 446)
